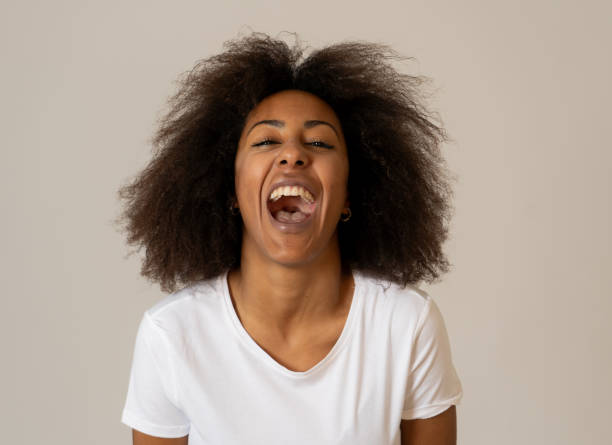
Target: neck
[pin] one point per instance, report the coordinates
(288, 300)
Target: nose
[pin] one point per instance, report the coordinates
(293, 155)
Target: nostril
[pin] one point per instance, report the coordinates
(298, 162)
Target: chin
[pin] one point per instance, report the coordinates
(300, 255)
(290, 250)
(297, 259)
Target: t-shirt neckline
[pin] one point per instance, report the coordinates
(252, 345)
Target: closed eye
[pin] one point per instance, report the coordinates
(320, 144)
(313, 143)
(264, 142)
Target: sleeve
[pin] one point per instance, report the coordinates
(433, 385)
(150, 406)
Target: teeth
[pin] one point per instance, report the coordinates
(291, 190)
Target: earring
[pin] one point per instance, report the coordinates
(234, 209)
(346, 216)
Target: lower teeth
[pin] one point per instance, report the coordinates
(288, 217)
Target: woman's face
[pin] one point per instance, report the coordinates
(291, 173)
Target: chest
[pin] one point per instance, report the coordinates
(301, 354)
(253, 405)
(236, 392)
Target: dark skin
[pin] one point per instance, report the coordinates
(437, 430)
(297, 320)
(139, 438)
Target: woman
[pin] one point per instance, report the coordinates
(294, 201)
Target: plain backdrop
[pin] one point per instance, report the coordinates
(523, 88)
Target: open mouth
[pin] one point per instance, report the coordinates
(291, 205)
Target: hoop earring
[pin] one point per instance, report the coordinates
(346, 216)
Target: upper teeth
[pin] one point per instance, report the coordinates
(291, 190)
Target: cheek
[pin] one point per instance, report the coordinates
(238, 178)
(240, 172)
(341, 173)
(337, 185)
(243, 188)
(249, 176)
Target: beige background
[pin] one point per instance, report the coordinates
(524, 90)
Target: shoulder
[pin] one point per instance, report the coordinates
(186, 307)
(395, 314)
(402, 304)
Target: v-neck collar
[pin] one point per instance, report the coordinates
(252, 345)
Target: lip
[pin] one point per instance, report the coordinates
(291, 227)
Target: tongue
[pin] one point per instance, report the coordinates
(288, 217)
(291, 209)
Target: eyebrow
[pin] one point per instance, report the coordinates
(281, 124)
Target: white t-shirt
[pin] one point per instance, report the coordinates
(197, 371)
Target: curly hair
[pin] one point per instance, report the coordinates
(178, 207)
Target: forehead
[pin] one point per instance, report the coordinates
(293, 104)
